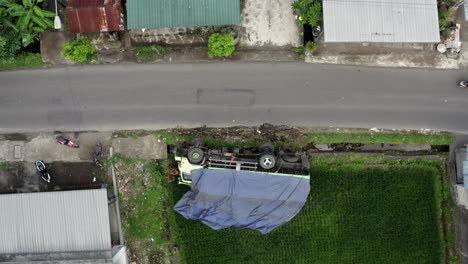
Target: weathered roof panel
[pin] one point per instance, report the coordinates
(93, 15)
(381, 21)
(54, 222)
(181, 13)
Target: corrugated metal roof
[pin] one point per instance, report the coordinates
(465, 173)
(381, 21)
(93, 15)
(54, 222)
(92, 3)
(181, 13)
(465, 10)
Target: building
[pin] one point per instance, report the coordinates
(181, 13)
(390, 21)
(93, 15)
(56, 227)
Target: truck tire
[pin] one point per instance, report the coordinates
(195, 155)
(266, 147)
(291, 158)
(267, 161)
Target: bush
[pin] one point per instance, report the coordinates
(155, 52)
(300, 51)
(9, 44)
(24, 60)
(80, 51)
(445, 17)
(311, 46)
(308, 12)
(220, 45)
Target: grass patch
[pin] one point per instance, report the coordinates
(171, 138)
(4, 165)
(381, 137)
(218, 143)
(19, 61)
(384, 212)
(151, 52)
(300, 51)
(130, 133)
(143, 195)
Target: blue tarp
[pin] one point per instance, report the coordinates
(223, 198)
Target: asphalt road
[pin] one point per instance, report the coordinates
(224, 94)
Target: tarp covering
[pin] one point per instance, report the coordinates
(223, 198)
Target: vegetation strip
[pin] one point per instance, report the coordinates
(24, 60)
(379, 137)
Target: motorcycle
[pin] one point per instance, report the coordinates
(97, 153)
(42, 169)
(67, 142)
(463, 84)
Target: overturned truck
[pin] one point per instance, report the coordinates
(256, 188)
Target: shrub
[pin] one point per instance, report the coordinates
(445, 17)
(9, 44)
(80, 51)
(220, 45)
(308, 12)
(155, 52)
(24, 60)
(300, 51)
(450, 3)
(311, 46)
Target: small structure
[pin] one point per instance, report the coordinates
(461, 164)
(56, 227)
(93, 15)
(381, 21)
(465, 169)
(181, 13)
(453, 43)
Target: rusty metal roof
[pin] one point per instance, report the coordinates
(93, 15)
(181, 13)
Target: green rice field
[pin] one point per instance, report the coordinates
(358, 211)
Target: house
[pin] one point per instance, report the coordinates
(57, 227)
(93, 15)
(389, 21)
(181, 13)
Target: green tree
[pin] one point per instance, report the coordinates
(26, 18)
(308, 12)
(220, 45)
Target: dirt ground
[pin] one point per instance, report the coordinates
(264, 132)
(21, 177)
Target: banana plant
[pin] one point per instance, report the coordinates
(26, 18)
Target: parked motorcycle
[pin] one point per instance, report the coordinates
(42, 169)
(97, 153)
(65, 141)
(463, 84)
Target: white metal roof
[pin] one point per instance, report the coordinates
(54, 222)
(413, 21)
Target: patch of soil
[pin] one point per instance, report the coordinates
(77, 175)
(15, 137)
(19, 177)
(346, 146)
(145, 252)
(261, 133)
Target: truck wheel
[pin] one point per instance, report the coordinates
(266, 147)
(195, 155)
(198, 142)
(291, 158)
(267, 161)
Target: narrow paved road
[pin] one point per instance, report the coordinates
(222, 94)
